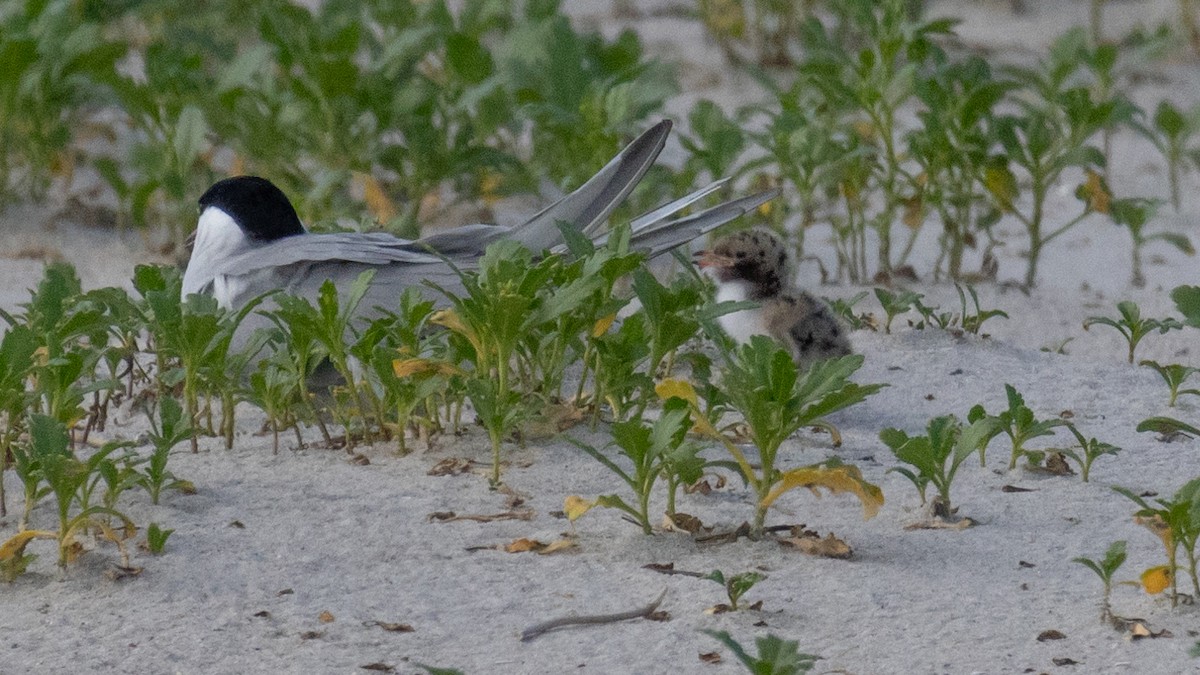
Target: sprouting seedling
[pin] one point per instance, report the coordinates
(156, 538)
(65, 475)
(930, 316)
(1174, 375)
(1135, 214)
(1132, 326)
(936, 457)
(1018, 422)
(776, 656)
(776, 400)
(845, 309)
(1172, 133)
(653, 450)
(1089, 451)
(1106, 568)
(895, 304)
(1176, 521)
(168, 431)
(736, 585)
(973, 319)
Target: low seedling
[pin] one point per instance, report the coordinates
(1089, 450)
(156, 538)
(1017, 422)
(1174, 375)
(1106, 568)
(735, 585)
(1176, 521)
(1131, 325)
(653, 451)
(936, 457)
(168, 431)
(776, 400)
(974, 318)
(895, 304)
(845, 309)
(776, 656)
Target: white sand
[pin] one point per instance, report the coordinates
(355, 540)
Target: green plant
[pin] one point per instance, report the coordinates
(1050, 136)
(168, 431)
(17, 349)
(1089, 451)
(1017, 422)
(156, 537)
(1132, 326)
(973, 319)
(844, 308)
(1174, 375)
(764, 386)
(653, 451)
(776, 656)
(1177, 522)
(936, 457)
(953, 147)
(1134, 214)
(735, 585)
(1172, 134)
(1106, 568)
(65, 475)
(895, 304)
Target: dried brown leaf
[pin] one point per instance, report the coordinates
(811, 543)
(1051, 634)
(451, 466)
(325, 617)
(391, 627)
(710, 657)
(379, 667)
(682, 522)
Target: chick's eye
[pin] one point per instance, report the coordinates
(741, 254)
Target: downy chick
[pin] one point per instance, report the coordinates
(754, 265)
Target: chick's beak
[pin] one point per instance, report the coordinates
(706, 259)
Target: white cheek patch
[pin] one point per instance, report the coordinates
(217, 237)
(742, 324)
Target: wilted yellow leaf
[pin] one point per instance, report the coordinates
(1095, 192)
(15, 546)
(673, 388)
(524, 545)
(1156, 579)
(325, 617)
(601, 327)
(410, 367)
(556, 546)
(489, 187)
(381, 206)
(448, 318)
(843, 478)
(914, 213)
(575, 506)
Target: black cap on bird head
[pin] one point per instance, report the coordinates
(256, 205)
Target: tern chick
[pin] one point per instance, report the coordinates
(754, 265)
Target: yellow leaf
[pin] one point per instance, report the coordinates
(382, 208)
(1002, 184)
(836, 479)
(1096, 193)
(1156, 579)
(914, 213)
(556, 546)
(575, 506)
(410, 367)
(326, 617)
(238, 166)
(603, 325)
(524, 545)
(15, 546)
(673, 388)
(448, 318)
(489, 187)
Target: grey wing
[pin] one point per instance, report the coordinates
(590, 205)
(807, 326)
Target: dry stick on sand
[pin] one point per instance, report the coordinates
(546, 626)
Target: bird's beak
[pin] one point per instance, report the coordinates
(706, 259)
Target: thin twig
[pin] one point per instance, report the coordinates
(546, 626)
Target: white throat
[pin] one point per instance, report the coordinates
(217, 237)
(742, 324)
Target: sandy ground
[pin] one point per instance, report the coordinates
(318, 534)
